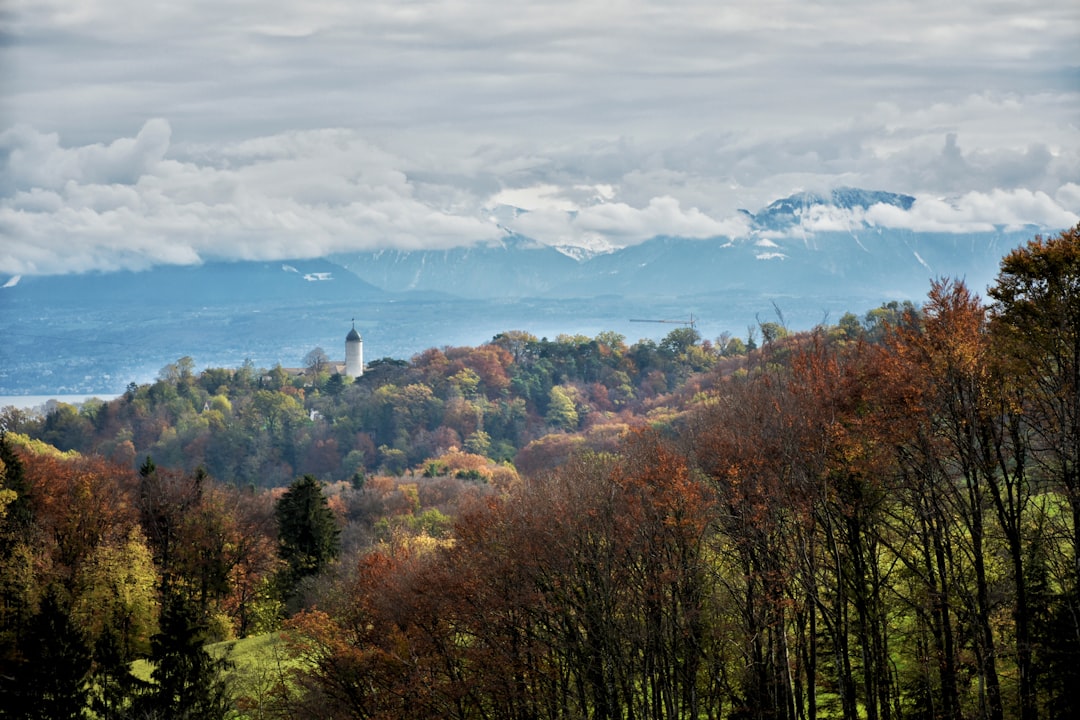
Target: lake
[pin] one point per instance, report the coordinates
(38, 402)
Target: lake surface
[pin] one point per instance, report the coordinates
(78, 354)
(38, 402)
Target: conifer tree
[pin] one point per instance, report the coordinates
(308, 535)
(187, 682)
(116, 690)
(50, 682)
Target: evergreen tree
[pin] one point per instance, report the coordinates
(17, 511)
(187, 683)
(50, 683)
(115, 690)
(308, 536)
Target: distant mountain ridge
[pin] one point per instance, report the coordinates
(98, 331)
(776, 257)
(212, 283)
(786, 212)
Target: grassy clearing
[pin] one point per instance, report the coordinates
(257, 666)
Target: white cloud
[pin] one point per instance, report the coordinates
(137, 201)
(278, 129)
(537, 197)
(126, 205)
(976, 212)
(1068, 196)
(38, 160)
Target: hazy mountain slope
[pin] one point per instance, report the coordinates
(778, 256)
(87, 332)
(220, 283)
(517, 267)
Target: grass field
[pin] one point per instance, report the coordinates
(257, 665)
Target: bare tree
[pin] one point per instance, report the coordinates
(316, 361)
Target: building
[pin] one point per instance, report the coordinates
(354, 353)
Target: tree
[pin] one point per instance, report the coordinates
(182, 369)
(51, 681)
(679, 340)
(316, 361)
(115, 690)
(187, 683)
(960, 464)
(1036, 323)
(308, 535)
(561, 411)
(116, 594)
(773, 331)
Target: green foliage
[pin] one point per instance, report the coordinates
(435, 468)
(51, 680)
(393, 460)
(116, 599)
(308, 535)
(678, 341)
(561, 414)
(116, 691)
(478, 443)
(773, 331)
(431, 523)
(186, 681)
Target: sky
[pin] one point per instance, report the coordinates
(142, 132)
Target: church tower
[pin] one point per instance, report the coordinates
(354, 353)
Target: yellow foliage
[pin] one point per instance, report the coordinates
(39, 447)
(455, 460)
(6, 496)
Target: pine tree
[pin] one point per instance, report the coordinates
(186, 681)
(116, 689)
(308, 536)
(50, 683)
(16, 516)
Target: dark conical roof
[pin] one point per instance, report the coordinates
(353, 336)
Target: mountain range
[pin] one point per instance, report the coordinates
(776, 256)
(98, 331)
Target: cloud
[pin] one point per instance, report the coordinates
(968, 213)
(138, 201)
(128, 205)
(134, 132)
(976, 212)
(37, 160)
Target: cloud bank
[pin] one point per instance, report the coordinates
(136, 133)
(133, 202)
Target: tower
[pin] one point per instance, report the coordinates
(354, 353)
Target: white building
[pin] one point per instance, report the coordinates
(354, 353)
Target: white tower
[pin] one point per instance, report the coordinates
(354, 353)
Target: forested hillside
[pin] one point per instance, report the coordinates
(262, 427)
(877, 519)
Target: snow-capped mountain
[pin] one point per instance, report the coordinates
(787, 212)
(85, 332)
(805, 243)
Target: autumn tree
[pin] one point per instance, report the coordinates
(959, 465)
(1036, 323)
